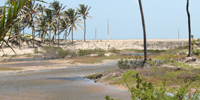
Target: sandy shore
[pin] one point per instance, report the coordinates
(158, 44)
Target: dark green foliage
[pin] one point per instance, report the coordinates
(114, 50)
(55, 52)
(85, 52)
(63, 53)
(196, 51)
(108, 98)
(134, 62)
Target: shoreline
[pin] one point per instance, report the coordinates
(57, 64)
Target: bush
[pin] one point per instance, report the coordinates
(63, 53)
(196, 51)
(114, 50)
(55, 52)
(73, 54)
(85, 52)
(130, 63)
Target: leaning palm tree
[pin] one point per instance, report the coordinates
(30, 17)
(74, 20)
(9, 19)
(189, 29)
(57, 7)
(145, 64)
(84, 11)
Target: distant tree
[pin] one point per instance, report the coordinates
(83, 10)
(72, 15)
(145, 64)
(57, 7)
(50, 17)
(41, 9)
(189, 30)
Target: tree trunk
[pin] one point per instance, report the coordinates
(19, 35)
(144, 34)
(49, 36)
(72, 35)
(84, 29)
(58, 35)
(33, 35)
(189, 29)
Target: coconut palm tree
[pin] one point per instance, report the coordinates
(41, 9)
(83, 10)
(66, 27)
(30, 17)
(50, 16)
(42, 27)
(144, 34)
(74, 20)
(57, 7)
(189, 29)
(9, 19)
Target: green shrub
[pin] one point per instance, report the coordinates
(113, 50)
(84, 52)
(196, 51)
(36, 50)
(73, 54)
(127, 63)
(55, 52)
(63, 53)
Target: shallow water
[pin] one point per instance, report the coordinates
(59, 84)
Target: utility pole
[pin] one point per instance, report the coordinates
(108, 29)
(178, 35)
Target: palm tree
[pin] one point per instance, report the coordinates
(41, 10)
(30, 17)
(9, 19)
(72, 15)
(66, 27)
(57, 8)
(49, 14)
(42, 27)
(144, 34)
(189, 29)
(84, 11)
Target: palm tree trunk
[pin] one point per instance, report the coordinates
(19, 35)
(189, 29)
(49, 36)
(58, 35)
(72, 35)
(84, 29)
(33, 35)
(144, 34)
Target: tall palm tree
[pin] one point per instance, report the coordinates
(189, 29)
(50, 15)
(66, 27)
(74, 20)
(30, 17)
(144, 34)
(42, 27)
(57, 7)
(84, 11)
(41, 9)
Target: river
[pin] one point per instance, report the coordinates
(59, 84)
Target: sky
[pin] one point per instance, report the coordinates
(163, 18)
